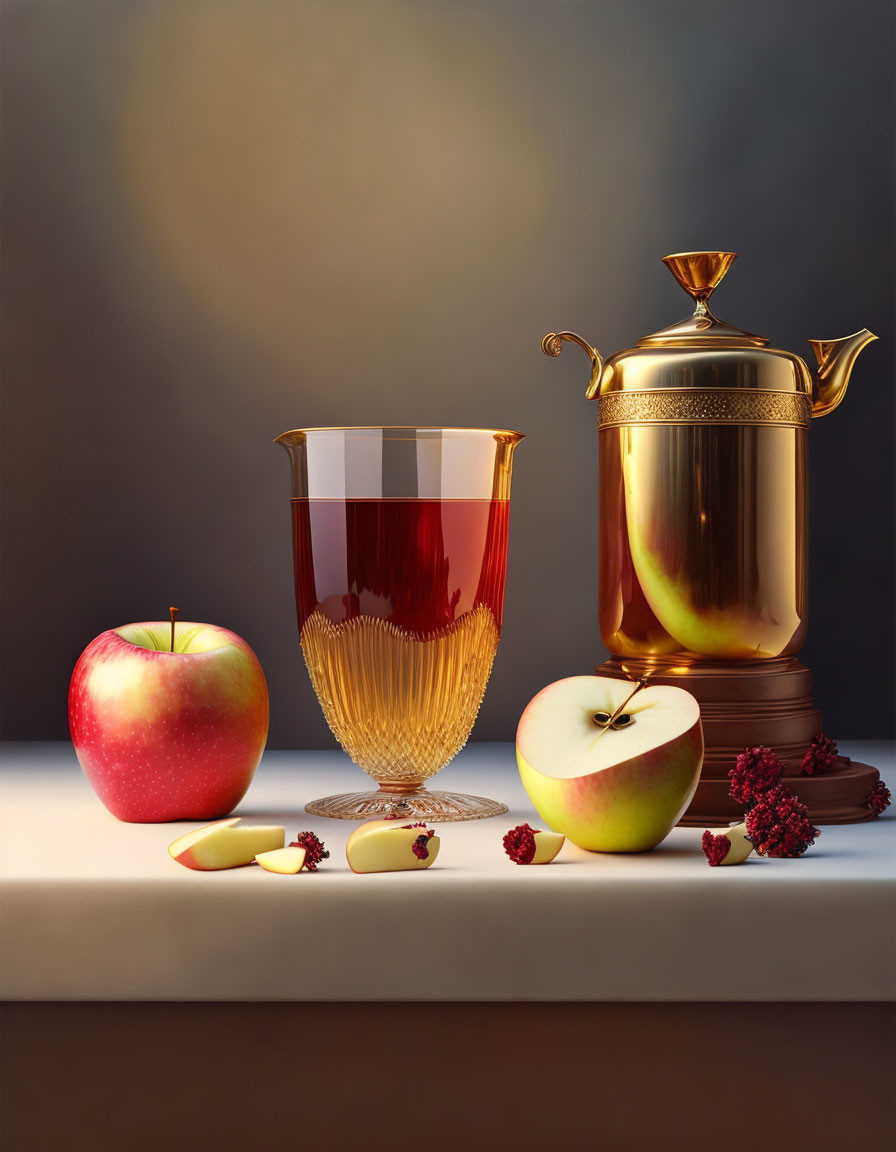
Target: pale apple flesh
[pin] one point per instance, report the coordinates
(547, 846)
(741, 845)
(387, 846)
(285, 861)
(606, 789)
(223, 845)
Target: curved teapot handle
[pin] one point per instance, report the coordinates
(552, 345)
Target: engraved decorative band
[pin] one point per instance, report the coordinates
(704, 406)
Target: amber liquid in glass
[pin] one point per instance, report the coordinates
(399, 606)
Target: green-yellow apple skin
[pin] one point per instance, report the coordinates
(630, 806)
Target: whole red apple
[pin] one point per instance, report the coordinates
(168, 735)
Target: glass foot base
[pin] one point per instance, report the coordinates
(433, 807)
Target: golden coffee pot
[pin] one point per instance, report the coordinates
(703, 514)
(704, 480)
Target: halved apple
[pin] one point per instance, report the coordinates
(223, 845)
(610, 788)
(388, 846)
(287, 861)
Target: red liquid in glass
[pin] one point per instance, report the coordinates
(418, 564)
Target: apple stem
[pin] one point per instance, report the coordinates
(172, 612)
(642, 683)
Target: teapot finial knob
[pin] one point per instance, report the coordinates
(699, 273)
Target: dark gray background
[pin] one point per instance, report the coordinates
(223, 220)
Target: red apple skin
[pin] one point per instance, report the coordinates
(168, 735)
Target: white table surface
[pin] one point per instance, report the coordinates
(94, 909)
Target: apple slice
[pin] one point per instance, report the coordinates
(547, 845)
(527, 845)
(287, 861)
(223, 845)
(387, 846)
(739, 845)
(611, 764)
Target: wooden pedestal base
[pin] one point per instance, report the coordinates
(743, 704)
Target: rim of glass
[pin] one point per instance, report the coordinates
(405, 428)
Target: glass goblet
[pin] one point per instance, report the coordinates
(400, 554)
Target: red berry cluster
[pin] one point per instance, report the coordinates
(715, 848)
(419, 824)
(822, 756)
(420, 847)
(777, 821)
(755, 771)
(878, 798)
(778, 824)
(519, 844)
(314, 849)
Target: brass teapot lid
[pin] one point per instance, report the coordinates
(700, 273)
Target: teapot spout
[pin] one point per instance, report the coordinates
(835, 361)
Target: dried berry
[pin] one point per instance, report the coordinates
(715, 848)
(314, 849)
(778, 824)
(755, 771)
(878, 799)
(519, 844)
(822, 756)
(420, 847)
